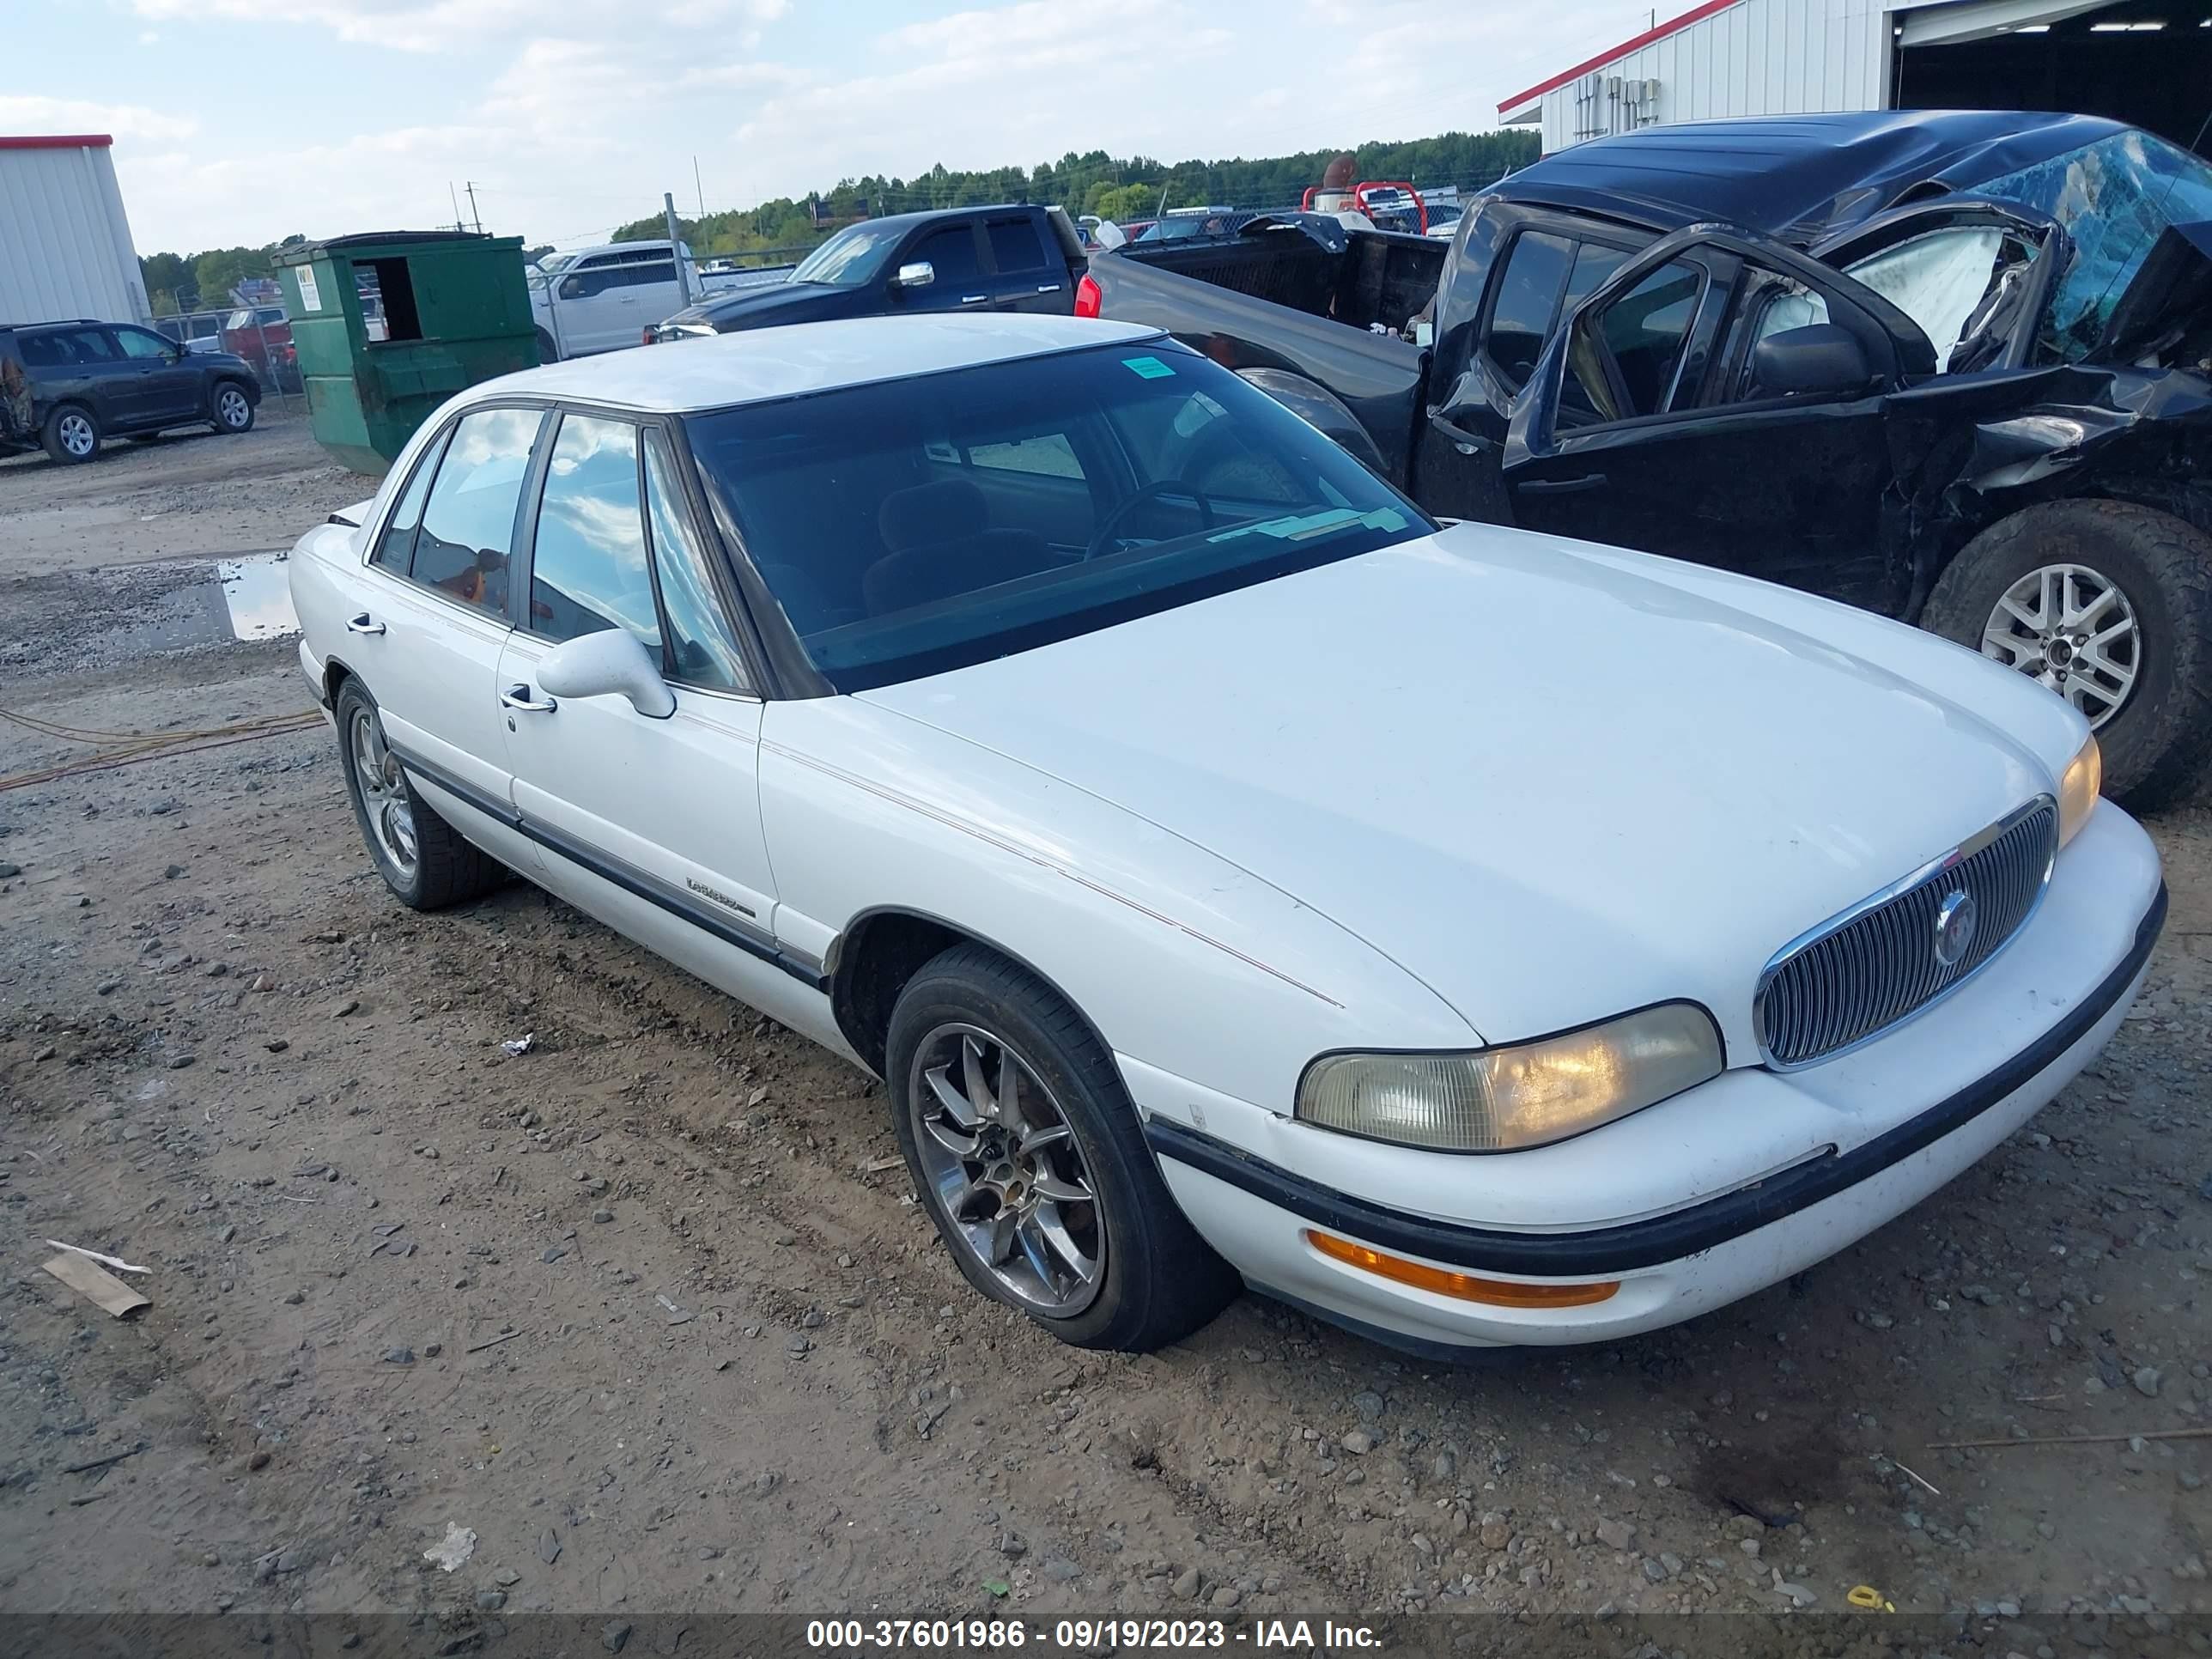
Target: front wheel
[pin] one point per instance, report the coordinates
(233, 409)
(1028, 1155)
(2109, 604)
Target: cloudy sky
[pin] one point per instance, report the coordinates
(240, 121)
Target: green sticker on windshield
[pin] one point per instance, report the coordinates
(1150, 368)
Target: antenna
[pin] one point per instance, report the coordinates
(698, 188)
(458, 223)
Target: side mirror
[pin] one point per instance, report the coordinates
(915, 273)
(1820, 359)
(608, 662)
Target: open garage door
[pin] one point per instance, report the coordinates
(2145, 62)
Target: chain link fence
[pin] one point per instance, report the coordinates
(259, 333)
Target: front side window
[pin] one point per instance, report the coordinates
(700, 645)
(588, 569)
(950, 252)
(854, 258)
(1621, 362)
(144, 344)
(395, 544)
(893, 527)
(468, 525)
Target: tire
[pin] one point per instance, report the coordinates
(2157, 737)
(71, 434)
(547, 351)
(447, 867)
(1155, 1280)
(230, 408)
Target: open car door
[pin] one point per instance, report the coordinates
(1726, 399)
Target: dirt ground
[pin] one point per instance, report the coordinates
(650, 1309)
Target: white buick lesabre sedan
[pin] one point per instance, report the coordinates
(1471, 937)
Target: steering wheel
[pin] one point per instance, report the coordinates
(1152, 491)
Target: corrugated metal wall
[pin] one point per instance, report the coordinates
(1760, 58)
(64, 244)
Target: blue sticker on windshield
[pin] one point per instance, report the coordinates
(1150, 368)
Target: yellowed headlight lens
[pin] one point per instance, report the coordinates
(2078, 788)
(1501, 1100)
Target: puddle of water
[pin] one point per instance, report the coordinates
(248, 598)
(258, 595)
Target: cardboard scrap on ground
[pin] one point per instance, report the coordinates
(96, 1284)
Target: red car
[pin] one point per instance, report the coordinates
(262, 336)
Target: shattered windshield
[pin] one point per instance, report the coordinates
(2112, 198)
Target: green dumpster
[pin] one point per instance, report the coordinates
(455, 310)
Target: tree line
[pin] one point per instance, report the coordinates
(1118, 188)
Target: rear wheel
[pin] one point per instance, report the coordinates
(1028, 1155)
(233, 408)
(72, 435)
(2109, 604)
(424, 860)
(547, 351)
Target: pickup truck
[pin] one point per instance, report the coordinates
(1011, 257)
(601, 299)
(1952, 367)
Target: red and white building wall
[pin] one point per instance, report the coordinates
(65, 248)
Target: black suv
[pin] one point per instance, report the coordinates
(69, 385)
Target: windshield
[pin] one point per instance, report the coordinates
(910, 528)
(854, 258)
(2112, 198)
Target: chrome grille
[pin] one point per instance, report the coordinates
(1860, 973)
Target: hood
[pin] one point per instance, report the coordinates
(2169, 298)
(1551, 782)
(772, 303)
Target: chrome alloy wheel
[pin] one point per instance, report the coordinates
(74, 430)
(384, 798)
(998, 1150)
(231, 409)
(2073, 629)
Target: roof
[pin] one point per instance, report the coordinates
(1798, 176)
(1660, 32)
(60, 141)
(761, 365)
(301, 252)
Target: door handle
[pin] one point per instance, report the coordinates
(1048, 287)
(364, 623)
(1560, 486)
(973, 298)
(518, 697)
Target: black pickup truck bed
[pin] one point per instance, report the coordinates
(1298, 299)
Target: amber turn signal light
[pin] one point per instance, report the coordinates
(1498, 1292)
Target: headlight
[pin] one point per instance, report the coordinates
(1502, 1100)
(2079, 786)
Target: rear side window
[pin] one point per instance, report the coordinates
(395, 547)
(950, 252)
(467, 535)
(646, 275)
(41, 351)
(587, 563)
(1015, 246)
(1527, 300)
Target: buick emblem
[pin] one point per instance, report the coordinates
(1956, 919)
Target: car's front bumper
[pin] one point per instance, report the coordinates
(1845, 1147)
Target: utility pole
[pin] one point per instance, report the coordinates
(675, 248)
(459, 224)
(470, 184)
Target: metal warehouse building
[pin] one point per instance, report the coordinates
(65, 247)
(2146, 61)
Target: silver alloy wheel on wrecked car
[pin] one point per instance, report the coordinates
(76, 435)
(383, 798)
(998, 1150)
(231, 408)
(2073, 629)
